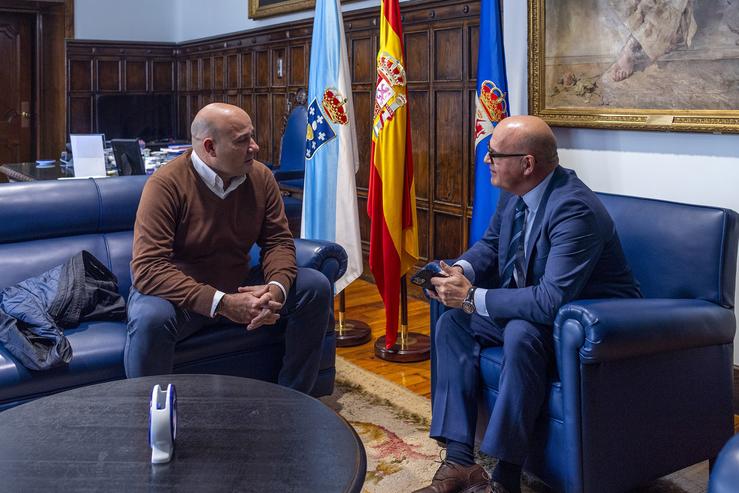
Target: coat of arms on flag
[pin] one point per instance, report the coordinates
(491, 109)
(388, 97)
(319, 131)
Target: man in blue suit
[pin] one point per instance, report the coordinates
(550, 241)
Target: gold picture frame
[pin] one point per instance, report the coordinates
(580, 60)
(259, 9)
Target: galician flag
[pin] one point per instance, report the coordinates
(330, 194)
(492, 94)
(391, 203)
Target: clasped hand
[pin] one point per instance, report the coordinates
(253, 305)
(452, 289)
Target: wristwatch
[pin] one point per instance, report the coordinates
(468, 305)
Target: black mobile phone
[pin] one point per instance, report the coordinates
(423, 277)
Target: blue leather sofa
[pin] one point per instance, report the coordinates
(44, 223)
(643, 387)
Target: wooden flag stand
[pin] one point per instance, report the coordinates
(350, 332)
(411, 346)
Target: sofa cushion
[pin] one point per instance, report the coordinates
(19, 261)
(491, 363)
(48, 209)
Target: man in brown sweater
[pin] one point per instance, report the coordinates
(198, 218)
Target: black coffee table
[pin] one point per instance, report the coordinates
(234, 434)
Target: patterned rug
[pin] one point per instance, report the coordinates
(393, 424)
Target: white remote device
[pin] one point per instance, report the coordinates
(162, 423)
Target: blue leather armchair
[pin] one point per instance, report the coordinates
(643, 387)
(44, 223)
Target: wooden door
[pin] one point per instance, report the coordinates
(16, 92)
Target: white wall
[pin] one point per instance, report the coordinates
(227, 16)
(125, 20)
(683, 167)
(175, 20)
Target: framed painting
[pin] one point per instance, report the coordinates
(267, 8)
(636, 64)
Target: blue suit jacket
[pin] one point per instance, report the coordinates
(573, 253)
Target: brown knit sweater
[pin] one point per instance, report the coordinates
(188, 242)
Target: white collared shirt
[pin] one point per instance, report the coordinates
(211, 178)
(215, 185)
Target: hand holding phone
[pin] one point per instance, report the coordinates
(423, 277)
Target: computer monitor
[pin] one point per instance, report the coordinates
(128, 159)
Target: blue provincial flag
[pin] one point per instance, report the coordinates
(492, 97)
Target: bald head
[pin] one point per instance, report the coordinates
(532, 135)
(212, 119)
(524, 152)
(223, 138)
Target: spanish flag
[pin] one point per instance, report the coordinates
(391, 204)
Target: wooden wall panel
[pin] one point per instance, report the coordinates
(183, 129)
(163, 76)
(108, 75)
(420, 112)
(194, 80)
(419, 64)
(218, 73)
(448, 54)
(260, 118)
(182, 75)
(362, 60)
(422, 216)
(135, 75)
(363, 107)
(298, 66)
(449, 147)
(247, 103)
(247, 70)
(279, 107)
(80, 115)
(262, 69)
(206, 75)
(79, 75)
(446, 235)
(232, 71)
(471, 49)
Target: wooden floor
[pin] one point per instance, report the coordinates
(363, 303)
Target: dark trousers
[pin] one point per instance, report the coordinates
(528, 350)
(155, 326)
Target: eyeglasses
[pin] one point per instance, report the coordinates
(492, 155)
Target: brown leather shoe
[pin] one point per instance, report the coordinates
(453, 478)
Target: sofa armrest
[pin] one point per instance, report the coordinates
(616, 329)
(325, 256)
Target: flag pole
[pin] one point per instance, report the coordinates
(350, 332)
(411, 346)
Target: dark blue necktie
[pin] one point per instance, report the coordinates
(515, 256)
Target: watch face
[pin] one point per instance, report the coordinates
(468, 307)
